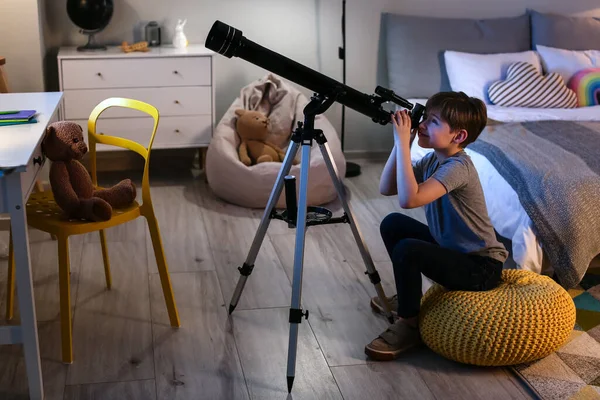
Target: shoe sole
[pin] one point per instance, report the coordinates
(381, 355)
(379, 310)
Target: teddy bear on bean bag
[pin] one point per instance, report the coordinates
(253, 128)
(71, 183)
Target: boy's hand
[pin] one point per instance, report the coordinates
(401, 121)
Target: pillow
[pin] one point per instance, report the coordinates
(525, 86)
(564, 32)
(415, 47)
(567, 62)
(586, 84)
(473, 73)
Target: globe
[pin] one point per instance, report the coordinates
(91, 16)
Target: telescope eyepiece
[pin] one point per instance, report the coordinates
(223, 39)
(389, 95)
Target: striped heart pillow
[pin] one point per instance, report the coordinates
(524, 86)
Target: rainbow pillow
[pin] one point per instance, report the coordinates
(586, 84)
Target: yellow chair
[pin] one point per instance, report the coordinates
(45, 215)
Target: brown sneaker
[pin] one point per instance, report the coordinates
(398, 338)
(378, 307)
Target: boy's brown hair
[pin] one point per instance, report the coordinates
(460, 111)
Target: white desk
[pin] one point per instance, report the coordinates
(21, 160)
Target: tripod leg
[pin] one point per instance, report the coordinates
(296, 313)
(371, 271)
(248, 266)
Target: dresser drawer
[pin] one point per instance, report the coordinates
(139, 72)
(172, 132)
(170, 101)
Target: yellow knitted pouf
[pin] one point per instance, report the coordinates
(527, 317)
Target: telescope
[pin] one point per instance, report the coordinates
(230, 42)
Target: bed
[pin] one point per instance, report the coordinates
(461, 54)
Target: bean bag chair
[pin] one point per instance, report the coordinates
(526, 318)
(250, 186)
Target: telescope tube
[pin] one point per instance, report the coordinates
(229, 42)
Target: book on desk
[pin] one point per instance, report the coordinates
(17, 117)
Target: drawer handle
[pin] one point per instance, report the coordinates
(176, 101)
(37, 160)
(99, 74)
(175, 72)
(176, 130)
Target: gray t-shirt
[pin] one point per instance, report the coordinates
(459, 219)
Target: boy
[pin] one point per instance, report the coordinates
(458, 248)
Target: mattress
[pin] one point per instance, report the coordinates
(506, 212)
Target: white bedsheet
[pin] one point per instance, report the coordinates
(505, 210)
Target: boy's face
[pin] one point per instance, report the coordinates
(435, 133)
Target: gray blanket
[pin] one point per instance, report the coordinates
(554, 167)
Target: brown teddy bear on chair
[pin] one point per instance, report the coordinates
(71, 183)
(253, 128)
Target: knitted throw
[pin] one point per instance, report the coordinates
(554, 167)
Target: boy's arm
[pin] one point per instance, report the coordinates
(410, 193)
(388, 183)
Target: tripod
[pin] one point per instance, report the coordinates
(298, 215)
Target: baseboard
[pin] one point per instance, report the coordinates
(111, 161)
(118, 161)
(366, 155)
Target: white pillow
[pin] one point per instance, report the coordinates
(473, 73)
(567, 62)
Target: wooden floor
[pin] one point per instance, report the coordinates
(125, 349)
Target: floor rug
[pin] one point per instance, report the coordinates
(573, 371)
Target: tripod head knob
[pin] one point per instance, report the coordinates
(296, 315)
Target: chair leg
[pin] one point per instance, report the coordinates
(10, 289)
(38, 186)
(105, 258)
(203, 151)
(66, 328)
(163, 270)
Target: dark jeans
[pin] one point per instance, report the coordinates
(413, 251)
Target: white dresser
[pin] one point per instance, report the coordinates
(178, 82)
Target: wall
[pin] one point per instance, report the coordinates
(288, 27)
(22, 44)
(307, 31)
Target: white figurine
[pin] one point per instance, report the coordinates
(180, 41)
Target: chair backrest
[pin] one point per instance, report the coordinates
(102, 138)
(3, 79)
